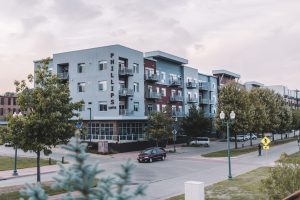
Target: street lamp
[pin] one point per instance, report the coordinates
(15, 173)
(174, 133)
(228, 122)
(90, 123)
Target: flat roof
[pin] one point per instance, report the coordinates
(254, 83)
(225, 72)
(166, 56)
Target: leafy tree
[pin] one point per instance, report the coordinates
(47, 123)
(195, 124)
(296, 120)
(233, 97)
(284, 179)
(159, 126)
(286, 119)
(81, 178)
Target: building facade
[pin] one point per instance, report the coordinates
(8, 105)
(291, 97)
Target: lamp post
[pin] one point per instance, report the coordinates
(15, 173)
(228, 122)
(175, 133)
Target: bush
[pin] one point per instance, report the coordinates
(284, 178)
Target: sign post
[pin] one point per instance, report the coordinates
(266, 141)
(174, 138)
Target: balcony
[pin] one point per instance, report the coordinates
(125, 71)
(205, 86)
(151, 77)
(192, 100)
(175, 83)
(125, 112)
(63, 75)
(176, 98)
(177, 114)
(153, 95)
(191, 85)
(204, 101)
(124, 92)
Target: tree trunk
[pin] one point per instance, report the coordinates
(235, 142)
(273, 137)
(38, 174)
(281, 135)
(251, 139)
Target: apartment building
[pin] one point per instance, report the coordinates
(8, 105)
(252, 84)
(110, 80)
(292, 97)
(120, 87)
(225, 76)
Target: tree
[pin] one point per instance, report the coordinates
(81, 178)
(159, 126)
(284, 179)
(296, 120)
(195, 124)
(47, 122)
(233, 97)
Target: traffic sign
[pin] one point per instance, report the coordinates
(266, 141)
(266, 147)
(78, 125)
(174, 132)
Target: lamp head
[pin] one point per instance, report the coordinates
(20, 114)
(222, 115)
(15, 115)
(232, 115)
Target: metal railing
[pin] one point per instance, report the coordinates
(176, 98)
(191, 85)
(204, 101)
(175, 82)
(114, 138)
(125, 71)
(205, 86)
(151, 77)
(192, 100)
(125, 92)
(125, 112)
(153, 95)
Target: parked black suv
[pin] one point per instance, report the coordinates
(152, 154)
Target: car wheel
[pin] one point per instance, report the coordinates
(150, 160)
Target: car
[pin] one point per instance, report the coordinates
(7, 144)
(253, 136)
(201, 140)
(152, 154)
(239, 138)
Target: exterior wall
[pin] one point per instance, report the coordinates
(8, 105)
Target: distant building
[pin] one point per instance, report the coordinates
(8, 105)
(225, 76)
(252, 84)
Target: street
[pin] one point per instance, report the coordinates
(166, 178)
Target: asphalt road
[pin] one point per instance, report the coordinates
(166, 178)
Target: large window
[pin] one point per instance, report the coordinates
(136, 87)
(102, 106)
(136, 106)
(2, 100)
(82, 108)
(131, 130)
(102, 85)
(163, 92)
(1, 111)
(135, 68)
(81, 87)
(102, 65)
(80, 67)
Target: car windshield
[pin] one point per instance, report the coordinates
(147, 151)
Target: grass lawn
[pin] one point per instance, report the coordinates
(240, 151)
(245, 186)
(7, 163)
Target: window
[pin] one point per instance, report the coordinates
(81, 87)
(14, 101)
(1, 111)
(80, 67)
(163, 77)
(102, 85)
(102, 106)
(180, 109)
(8, 101)
(157, 107)
(2, 101)
(157, 90)
(179, 93)
(136, 106)
(135, 68)
(164, 108)
(136, 87)
(102, 65)
(163, 92)
(173, 93)
(82, 108)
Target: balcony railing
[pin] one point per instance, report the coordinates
(120, 138)
(125, 71)
(177, 114)
(125, 112)
(125, 92)
(191, 85)
(192, 100)
(176, 98)
(204, 101)
(175, 82)
(63, 75)
(153, 95)
(205, 86)
(151, 77)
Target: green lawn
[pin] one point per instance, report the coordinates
(240, 151)
(7, 163)
(245, 186)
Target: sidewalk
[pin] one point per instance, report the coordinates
(5, 175)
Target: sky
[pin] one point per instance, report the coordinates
(256, 39)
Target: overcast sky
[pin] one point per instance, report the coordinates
(258, 39)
